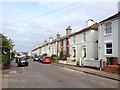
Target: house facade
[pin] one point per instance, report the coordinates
(79, 48)
(108, 39)
(63, 44)
(55, 46)
(84, 47)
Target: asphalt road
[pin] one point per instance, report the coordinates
(39, 75)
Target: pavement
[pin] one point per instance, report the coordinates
(92, 71)
(13, 69)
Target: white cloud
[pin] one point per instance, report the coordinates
(31, 30)
(61, 1)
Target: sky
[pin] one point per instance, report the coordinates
(29, 22)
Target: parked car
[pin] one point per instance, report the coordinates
(17, 58)
(22, 61)
(46, 60)
(40, 58)
(27, 57)
(35, 58)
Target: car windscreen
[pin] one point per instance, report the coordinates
(47, 58)
(41, 56)
(22, 58)
(36, 56)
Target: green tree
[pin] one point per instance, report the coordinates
(62, 55)
(6, 46)
(4, 41)
(54, 58)
(45, 54)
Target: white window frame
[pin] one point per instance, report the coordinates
(64, 45)
(108, 28)
(83, 53)
(108, 48)
(84, 37)
(74, 52)
(74, 39)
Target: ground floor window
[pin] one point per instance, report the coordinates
(108, 47)
(74, 52)
(84, 53)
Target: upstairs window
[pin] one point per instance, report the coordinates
(74, 39)
(108, 28)
(84, 37)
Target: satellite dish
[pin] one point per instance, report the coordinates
(4, 51)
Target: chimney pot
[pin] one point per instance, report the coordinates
(50, 39)
(58, 35)
(68, 30)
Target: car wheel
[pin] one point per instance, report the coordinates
(18, 65)
(27, 64)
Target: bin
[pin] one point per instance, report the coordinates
(114, 60)
(108, 61)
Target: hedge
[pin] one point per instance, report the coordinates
(6, 60)
(55, 58)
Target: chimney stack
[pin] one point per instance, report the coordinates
(58, 35)
(89, 22)
(50, 39)
(68, 30)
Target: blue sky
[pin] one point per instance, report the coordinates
(30, 22)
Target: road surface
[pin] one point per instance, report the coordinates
(39, 75)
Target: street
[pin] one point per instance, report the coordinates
(39, 75)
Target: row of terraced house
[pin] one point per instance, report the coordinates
(95, 45)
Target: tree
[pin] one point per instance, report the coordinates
(55, 58)
(6, 46)
(62, 55)
(4, 41)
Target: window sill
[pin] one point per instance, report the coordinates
(108, 54)
(107, 34)
(83, 43)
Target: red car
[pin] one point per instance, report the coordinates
(46, 60)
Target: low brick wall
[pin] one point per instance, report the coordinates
(112, 68)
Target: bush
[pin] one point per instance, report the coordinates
(6, 60)
(45, 54)
(12, 55)
(62, 55)
(55, 58)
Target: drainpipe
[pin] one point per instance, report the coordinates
(101, 65)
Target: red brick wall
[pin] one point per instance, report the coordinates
(112, 68)
(67, 47)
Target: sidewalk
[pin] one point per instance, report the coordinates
(92, 71)
(13, 69)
